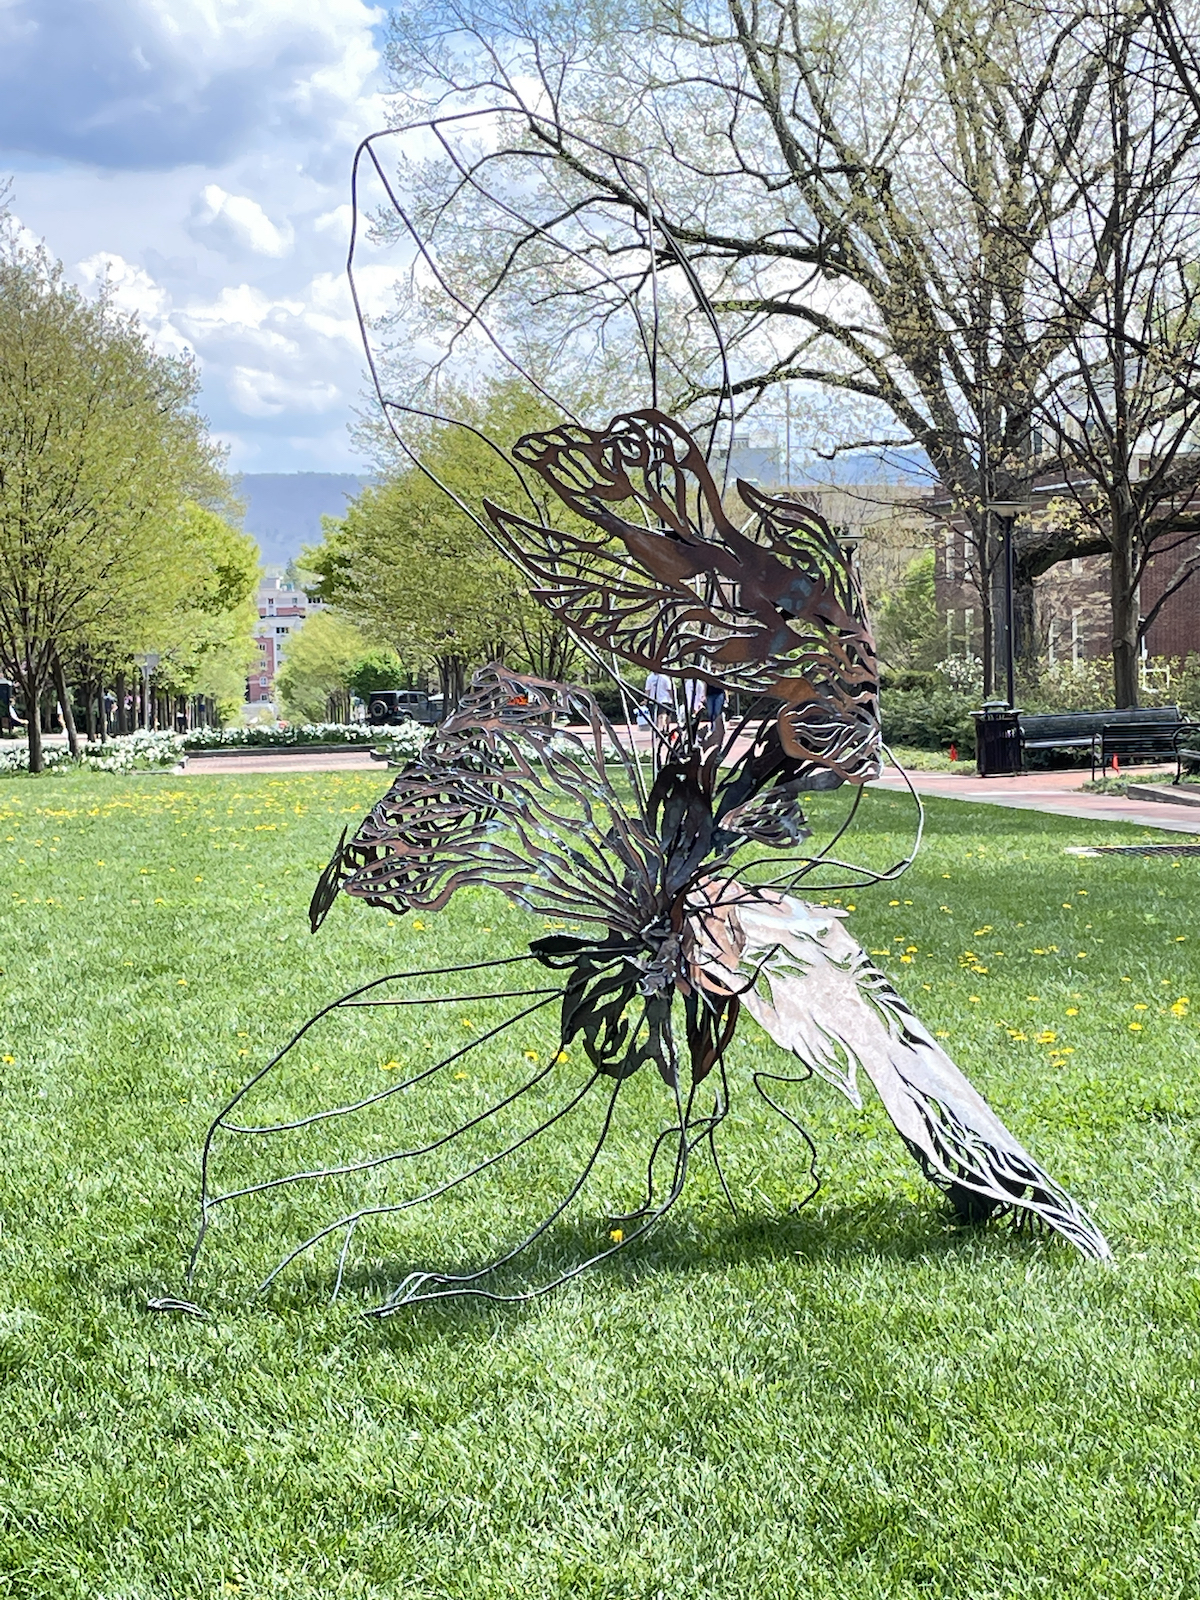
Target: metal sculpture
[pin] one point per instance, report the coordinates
(679, 878)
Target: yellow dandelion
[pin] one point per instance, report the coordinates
(616, 1235)
(1047, 1036)
(459, 1076)
(974, 999)
(893, 902)
(1072, 1011)
(467, 1023)
(8, 1060)
(1135, 1027)
(560, 1058)
(531, 1055)
(418, 926)
(390, 1066)
(1180, 1008)
(1141, 1008)
(907, 960)
(942, 1033)
(943, 908)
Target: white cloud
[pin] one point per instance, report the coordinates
(148, 84)
(195, 155)
(246, 220)
(132, 288)
(261, 393)
(337, 221)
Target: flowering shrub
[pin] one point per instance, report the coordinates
(962, 674)
(131, 752)
(14, 757)
(272, 736)
(404, 743)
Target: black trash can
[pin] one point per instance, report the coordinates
(997, 740)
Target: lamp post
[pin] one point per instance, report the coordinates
(148, 663)
(849, 540)
(1008, 511)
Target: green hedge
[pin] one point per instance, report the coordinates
(929, 719)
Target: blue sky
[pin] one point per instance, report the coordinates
(197, 152)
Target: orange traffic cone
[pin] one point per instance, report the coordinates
(1116, 762)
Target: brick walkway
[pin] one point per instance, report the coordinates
(201, 765)
(1056, 792)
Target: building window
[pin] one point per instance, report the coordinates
(282, 630)
(262, 683)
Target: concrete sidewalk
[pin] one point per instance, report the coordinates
(1056, 792)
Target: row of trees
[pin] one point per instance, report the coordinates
(978, 225)
(114, 531)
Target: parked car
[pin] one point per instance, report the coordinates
(390, 706)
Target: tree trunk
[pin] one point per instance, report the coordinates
(1025, 629)
(31, 692)
(1125, 597)
(90, 695)
(120, 693)
(66, 710)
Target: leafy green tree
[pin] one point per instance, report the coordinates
(207, 638)
(318, 666)
(378, 669)
(908, 630)
(411, 567)
(100, 446)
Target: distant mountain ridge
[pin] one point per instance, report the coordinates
(284, 509)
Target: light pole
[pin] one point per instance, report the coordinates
(148, 663)
(1008, 511)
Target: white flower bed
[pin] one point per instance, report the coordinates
(269, 737)
(403, 743)
(130, 752)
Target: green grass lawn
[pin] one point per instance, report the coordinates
(853, 1399)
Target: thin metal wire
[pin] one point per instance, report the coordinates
(500, 798)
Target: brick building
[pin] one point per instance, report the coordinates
(1069, 611)
(282, 609)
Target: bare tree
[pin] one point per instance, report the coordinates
(1123, 412)
(869, 196)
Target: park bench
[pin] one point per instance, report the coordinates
(1082, 730)
(1141, 741)
(1187, 750)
